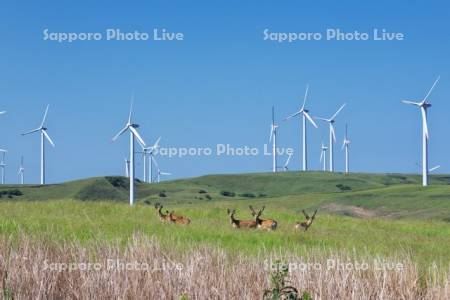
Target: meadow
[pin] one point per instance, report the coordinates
(361, 218)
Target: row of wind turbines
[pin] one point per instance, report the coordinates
(148, 152)
(303, 112)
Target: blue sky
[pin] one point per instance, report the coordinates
(219, 83)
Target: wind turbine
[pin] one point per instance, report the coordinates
(127, 167)
(159, 173)
(147, 153)
(434, 169)
(3, 164)
(44, 135)
(273, 139)
(131, 127)
(345, 145)
(305, 114)
(287, 162)
(21, 170)
(424, 105)
(331, 121)
(323, 157)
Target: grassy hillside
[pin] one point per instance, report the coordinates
(359, 195)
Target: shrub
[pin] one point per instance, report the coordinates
(343, 187)
(227, 194)
(247, 195)
(262, 195)
(162, 194)
(202, 192)
(208, 197)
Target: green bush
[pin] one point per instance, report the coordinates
(227, 194)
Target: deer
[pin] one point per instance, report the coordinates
(238, 224)
(307, 223)
(178, 219)
(162, 217)
(263, 224)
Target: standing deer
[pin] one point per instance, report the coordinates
(307, 223)
(162, 217)
(240, 223)
(263, 224)
(178, 219)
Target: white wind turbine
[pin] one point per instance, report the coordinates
(424, 105)
(131, 127)
(323, 156)
(21, 172)
(44, 135)
(273, 139)
(127, 167)
(345, 145)
(286, 164)
(148, 153)
(305, 114)
(331, 121)
(159, 173)
(3, 164)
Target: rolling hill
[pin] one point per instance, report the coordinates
(359, 195)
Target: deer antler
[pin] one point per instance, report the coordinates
(314, 214)
(306, 215)
(252, 210)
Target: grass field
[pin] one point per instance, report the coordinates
(360, 216)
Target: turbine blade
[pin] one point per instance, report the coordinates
(48, 138)
(165, 173)
(305, 97)
(2, 112)
(321, 156)
(45, 116)
(322, 119)
(155, 162)
(294, 115)
(434, 168)
(343, 144)
(271, 133)
(131, 108)
(273, 114)
(288, 160)
(411, 102)
(156, 145)
(333, 133)
(136, 134)
(310, 119)
(338, 111)
(424, 121)
(32, 131)
(429, 92)
(120, 133)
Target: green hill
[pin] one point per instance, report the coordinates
(359, 195)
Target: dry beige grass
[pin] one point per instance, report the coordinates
(198, 273)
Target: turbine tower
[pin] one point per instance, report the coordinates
(3, 164)
(44, 135)
(273, 139)
(305, 114)
(323, 157)
(331, 121)
(423, 106)
(148, 153)
(131, 127)
(127, 167)
(21, 170)
(345, 145)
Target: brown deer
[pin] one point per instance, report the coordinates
(263, 224)
(162, 217)
(307, 223)
(240, 223)
(178, 219)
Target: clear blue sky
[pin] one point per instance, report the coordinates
(218, 85)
